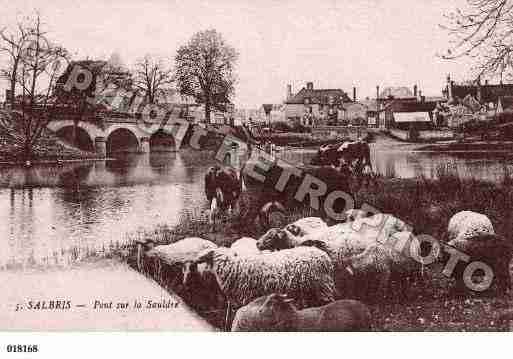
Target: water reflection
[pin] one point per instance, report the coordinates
(57, 214)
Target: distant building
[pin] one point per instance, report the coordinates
(316, 106)
(484, 95)
(407, 109)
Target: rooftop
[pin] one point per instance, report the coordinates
(319, 96)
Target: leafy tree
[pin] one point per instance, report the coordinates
(205, 70)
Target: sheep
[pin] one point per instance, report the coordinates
(377, 228)
(307, 225)
(466, 224)
(303, 273)
(201, 288)
(491, 249)
(276, 312)
(245, 246)
(278, 239)
(354, 214)
(365, 263)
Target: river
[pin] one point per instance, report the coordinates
(56, 214)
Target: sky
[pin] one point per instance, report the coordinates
(332, 43)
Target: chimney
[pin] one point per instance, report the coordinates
(415, 90)
(377, 92)
(354, 94)
(289, 92)
(309, 86)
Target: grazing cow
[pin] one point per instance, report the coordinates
(331, 154)
(223, 187)
(327, 155)
(356, 151)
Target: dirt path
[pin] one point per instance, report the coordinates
(106, 281)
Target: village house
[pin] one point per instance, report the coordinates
(313, 107)
(403, 108)
(476, 99)
(488, 95)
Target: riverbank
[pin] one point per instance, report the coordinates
(425, 204)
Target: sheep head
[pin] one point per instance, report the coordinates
(189, 268)
(278, 310)
(295, 230)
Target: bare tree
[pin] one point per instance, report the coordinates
(483, 32)
(205, 70)
(40, 64)
(12, 44)
(151, 77)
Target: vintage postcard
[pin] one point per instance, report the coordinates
(253, 166)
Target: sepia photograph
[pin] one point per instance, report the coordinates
(244, 166)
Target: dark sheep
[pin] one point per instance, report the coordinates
(491, 249)
(276, 312)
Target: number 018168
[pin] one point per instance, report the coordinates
(19, 348)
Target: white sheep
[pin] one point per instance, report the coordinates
(175, 255)
(276, 312)
(303, 273)
(467, 224)
(181, 251)
(374, 262)
(377, 228)
(245, 246)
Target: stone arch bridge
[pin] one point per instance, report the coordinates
(121, 135)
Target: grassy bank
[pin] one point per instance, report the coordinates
(425, 204)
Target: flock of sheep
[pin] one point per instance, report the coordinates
(311, 276)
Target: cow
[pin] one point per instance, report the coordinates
(223, 187)
(358, 151)
(267, 198)
(327, 155)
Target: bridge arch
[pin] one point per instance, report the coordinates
(78, 137)
(161, 141)
(92, 130)
(122, 140)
